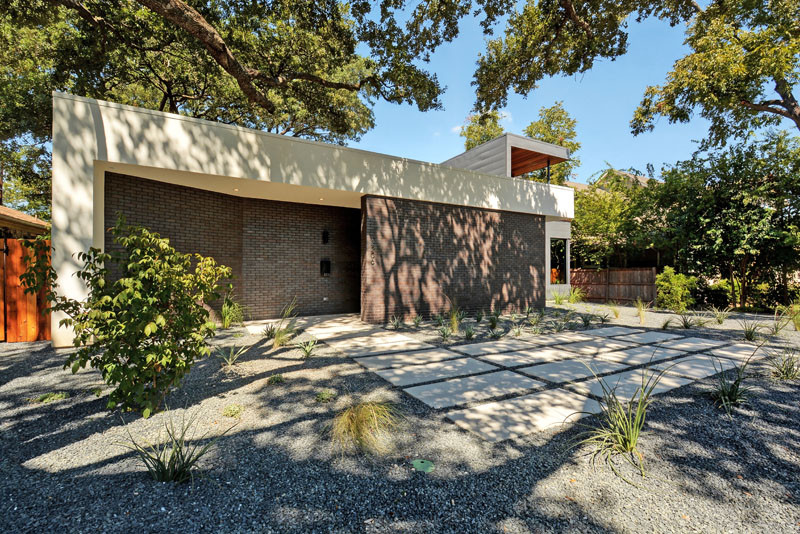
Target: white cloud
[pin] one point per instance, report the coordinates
(456, 128)
(505, 116)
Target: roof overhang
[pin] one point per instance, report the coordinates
(528, 155)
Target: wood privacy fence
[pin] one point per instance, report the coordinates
(21, 314)
(620, 285)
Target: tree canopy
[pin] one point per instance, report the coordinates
(480, 128)
(556, 126)
(740, 73)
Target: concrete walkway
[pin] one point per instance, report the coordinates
(510, 387)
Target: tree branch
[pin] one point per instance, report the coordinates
(573, 15)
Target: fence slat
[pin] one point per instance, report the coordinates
(622, 285)
(23, 318)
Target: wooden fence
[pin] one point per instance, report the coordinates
(21, 316)
(620, 285)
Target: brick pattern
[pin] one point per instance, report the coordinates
(274, 248)
(417, 255)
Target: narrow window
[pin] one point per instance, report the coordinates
(325, 267)
(558, 261)
(325, 237)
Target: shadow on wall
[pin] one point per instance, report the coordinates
(418, 257)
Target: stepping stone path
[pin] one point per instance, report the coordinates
(510, 387)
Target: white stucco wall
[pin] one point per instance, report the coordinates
(91, 137)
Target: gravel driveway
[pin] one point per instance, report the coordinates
(64, 468)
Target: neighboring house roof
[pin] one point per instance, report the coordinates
(577, 186)
(634, 179)
(21, 224)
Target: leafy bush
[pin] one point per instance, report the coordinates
(176, 458)
(143, 323)
(365, 426)
(674, 291)
(53, 396)
(586, 319)
(275, 379)
(231, 312)
(234, 411)
(718, 294)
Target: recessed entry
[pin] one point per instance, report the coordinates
(325, 267)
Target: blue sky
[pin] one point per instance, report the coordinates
(602, 100)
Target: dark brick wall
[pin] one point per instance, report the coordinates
(417, 254)
(274, 248)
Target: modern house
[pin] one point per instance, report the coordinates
(341, 229)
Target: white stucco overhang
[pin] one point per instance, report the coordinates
(91, 137)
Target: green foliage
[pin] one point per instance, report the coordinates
(275, 379)
(231, 312)
(516, 331)
(576, 295)
(750, 329)
(786, 364)
(614, 309)
(455, 315)
(439, 319)
(674, 291)
(730, 393)
(479, 316)
(739, 71)
(174, 460)
(559, 298)
(480, 128)
(641, 309)
(600, 218)
(667, 323)
(234, 411)
(269, 331)
(720, 315)
(469, 332)
(495, 333)
(536, 319)
(716, 295)
(688, 321)
(492, 322)
(366, 426)
(779, 322)
(621, 424)
(230, 355)
(307, 347)
(586, 319)
(556, 126)
(143, 323)
(417, 320)
(286, 327)
(325, 396)
(395, 322)
(445, 333)
(25, 172)
(52, 396)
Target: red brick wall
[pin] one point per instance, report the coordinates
(274, 248)
(417, 254)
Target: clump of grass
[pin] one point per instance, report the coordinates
(729, 393)
(417, 320)
(286, 327)
(439, 319)
(780, 321)
(576, 295)
(395, 322)
(365, 426)
(559, 298)
(492, 322)
(620, 425)
(269, 331)
(325, 396)
(97, 392)
(536, 330)
(514, 317)
(786, 365)
(667, 323)
(455, 316)
(445, 333)
(528, 311)
(479, 316)
(720, 314)
(641, 309)
(234, 411)
(564, 322)
(750, 329)
(536, 319)
(52, 396)
(231, 312)
(275, 379)
(614, 307)
(469, 332)
(495, 333)
(603, 317)
(688, 321)
(586, 319)
(792, 311)
(176, 459)
(307, 347)
(230, 355)
(516, 331)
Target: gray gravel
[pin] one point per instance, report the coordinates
(275, 470)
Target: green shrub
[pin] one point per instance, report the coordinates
(53, 396)
(445, 332)
(688, 320)
(559, 298)
(516, 331)
(479, 316)
(586, 319)
(269, 331)
(495, 333)
(325, 396)
(143, 323)
(492, 322)
(230, 355)
(176, 458)
(395, 322)
(439, 319)
(275, 379)
(620, 424)
(730, 393)
(718, 294)
(365, 426)
(307, 347)
(469, 332)
(576, 295)
(231, 313)
(536, 319)
(286, 328)
(667, 323)
(786, 365)
(674, 291)
(750, 329)
(417, 320)
(234, 411)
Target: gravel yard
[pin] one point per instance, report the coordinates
(65, 467)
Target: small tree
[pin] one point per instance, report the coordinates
(143, 323)
(674, 290)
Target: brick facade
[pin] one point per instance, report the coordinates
(274, 248)
(416, 255)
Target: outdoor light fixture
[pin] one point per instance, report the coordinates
(235, 189)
